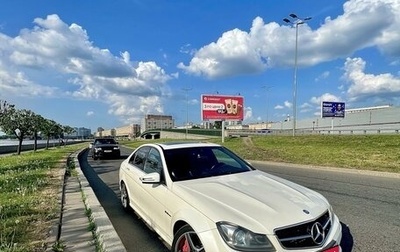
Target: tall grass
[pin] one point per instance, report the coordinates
(30, 183)
(366, 152)
(29, 187)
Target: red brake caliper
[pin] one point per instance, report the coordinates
(186, 246)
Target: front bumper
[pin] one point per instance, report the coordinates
(212, 241)
(107, 153)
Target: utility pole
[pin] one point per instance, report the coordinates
(187, 110)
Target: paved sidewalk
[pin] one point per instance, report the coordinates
(75, 231)
(73, 228)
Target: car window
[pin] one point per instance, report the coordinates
(153, 162)
(224, 158)
(178, 164)
(139, 158)
(201, 162)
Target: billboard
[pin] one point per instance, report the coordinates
(222, 107)
(332, 109)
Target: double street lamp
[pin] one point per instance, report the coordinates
(267, 88)
(296, 21)
(187, 110)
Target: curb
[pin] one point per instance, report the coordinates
(107, 236)
(334, 169)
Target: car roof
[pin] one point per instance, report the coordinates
(180, 145)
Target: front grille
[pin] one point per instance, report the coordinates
(299, 236)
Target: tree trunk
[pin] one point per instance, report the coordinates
(20, 139)
(35, 142)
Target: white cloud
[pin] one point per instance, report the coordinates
(306, 107)
(248, 113)
(325, 97)
(288, 104)
(315, 103)
(16, 83)
(364, 23)
(55, 48)
(90, 113)
(187, 49)
(132, 110)
(193, 101)
(234, 52)
(381, 88)
(322, 76)
(285, 106)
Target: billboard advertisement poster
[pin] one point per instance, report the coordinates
(222, 107)
(332, 109)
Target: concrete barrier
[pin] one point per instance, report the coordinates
(6, 149)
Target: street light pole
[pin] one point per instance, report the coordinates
(296, 21)
(266, 101)
(187, 110)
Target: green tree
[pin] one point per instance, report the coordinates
(58, 132)
(49, 129)
(17, 122)
(218, 124)
(5, 111)
(67, 130)
(37, 122)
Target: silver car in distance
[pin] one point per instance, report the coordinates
(203, 197)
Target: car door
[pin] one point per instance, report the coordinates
(157, 195)
(134, 171)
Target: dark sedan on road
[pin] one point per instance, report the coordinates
(104, 147)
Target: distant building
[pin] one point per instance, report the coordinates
(129, 131)
(371, 119)
(80, 133)
(161, 122)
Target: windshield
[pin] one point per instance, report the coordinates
(201, 162)
(105, 141)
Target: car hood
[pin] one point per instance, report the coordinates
(255, 200)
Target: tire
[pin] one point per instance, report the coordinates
(124, 197)
(186, 240)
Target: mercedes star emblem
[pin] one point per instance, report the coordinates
(317, 233)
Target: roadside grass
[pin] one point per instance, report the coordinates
(364, 152)
(29, 196)
(30, 182)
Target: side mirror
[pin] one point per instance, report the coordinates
(151, 178)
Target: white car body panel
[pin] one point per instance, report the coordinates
(152, 208)
(255, 200)
(252, 199)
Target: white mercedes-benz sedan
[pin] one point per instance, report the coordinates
(203, 197)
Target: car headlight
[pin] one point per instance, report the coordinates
(116, 148)
(97, 149)
(242, 239)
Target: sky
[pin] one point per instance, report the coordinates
(107, 63)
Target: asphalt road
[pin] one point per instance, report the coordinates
(367, 204)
